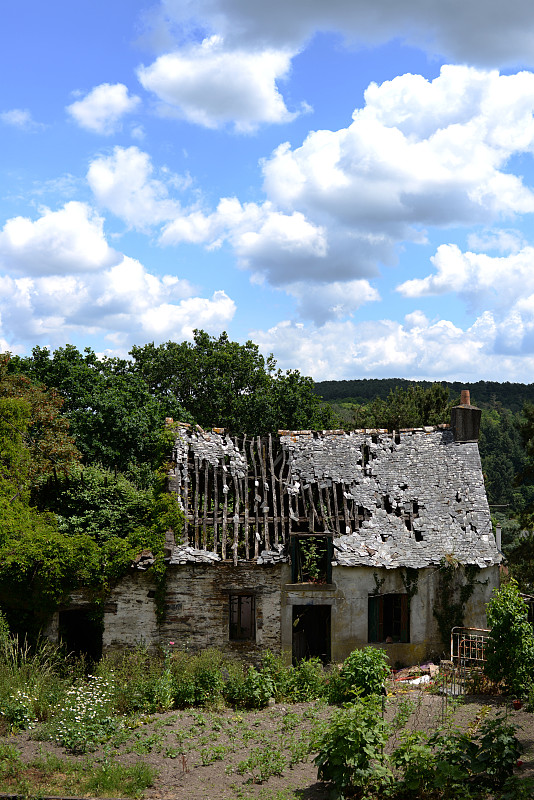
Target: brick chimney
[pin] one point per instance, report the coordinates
(465, 419)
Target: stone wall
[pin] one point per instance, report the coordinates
(130, 615)
(197, 601)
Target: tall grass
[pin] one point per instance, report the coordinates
(33, 679)
(37, 683)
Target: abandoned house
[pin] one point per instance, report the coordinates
(315, 543)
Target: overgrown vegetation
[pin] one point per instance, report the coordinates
(510, 647)
(201, 710)
(83, 451)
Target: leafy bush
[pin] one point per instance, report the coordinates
(450, 762)
(197, 679)
(498, 751)
(306, 681)
(351, 749)
(362, 673)
(136, 679)
(18, 710)
(262, 764)
(274, 667)
(510, 646)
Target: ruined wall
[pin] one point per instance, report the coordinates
(348, 597)
(197, 602)
(198, 606)
(389, 502)
(130, 615)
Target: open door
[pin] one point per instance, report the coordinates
(311, 632)
(81, 633)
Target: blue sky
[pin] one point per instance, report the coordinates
(348, 184)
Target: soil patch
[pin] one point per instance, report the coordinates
(236, 755)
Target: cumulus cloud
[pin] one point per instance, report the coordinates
(282, 248)
(495, 34)
(339, 350)
(123, 182)
(481, 279)
(69, 240)
(125, 303)
(20, 118)
(211, 86)
(418, 153)
(102, 109)
(60, 279)
(418, 348)
(324, 302)
(502, 240)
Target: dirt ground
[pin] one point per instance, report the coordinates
(199, 754)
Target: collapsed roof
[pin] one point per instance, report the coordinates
(407, 499)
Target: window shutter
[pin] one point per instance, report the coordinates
(373, 619)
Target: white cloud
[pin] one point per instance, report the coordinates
(323, 302)
(477, 32)
(123, 183)
(418, 153)
(418, 349)
(20, 118)
(406, 162)
(125, 303)
(501, 240)
(69, 240)
(210, 85)
(102, 109)
(482, 280)
(178, 322)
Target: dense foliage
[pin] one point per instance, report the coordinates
(404, 407)
(510, 647)
(510, 395)
(83, 451)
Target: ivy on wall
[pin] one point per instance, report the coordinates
(455, 587)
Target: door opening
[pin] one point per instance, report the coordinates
(311, 633)
(81, 633)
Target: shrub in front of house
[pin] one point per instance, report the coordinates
(510, 645)
(362, 674)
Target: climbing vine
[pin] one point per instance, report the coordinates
(410, 580)
(452, 595)
(379, 582)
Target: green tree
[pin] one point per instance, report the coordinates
(114, 416)
(405, 407)
(510, 647)
(46, 435)
(223, 383)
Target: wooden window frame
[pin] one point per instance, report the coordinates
(396, 605)
(237, 632)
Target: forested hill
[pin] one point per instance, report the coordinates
(510, 395)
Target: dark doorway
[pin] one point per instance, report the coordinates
(81, 633)
(311, 633)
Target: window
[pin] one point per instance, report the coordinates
(242, 617)
(311, 558)
(389, 618)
